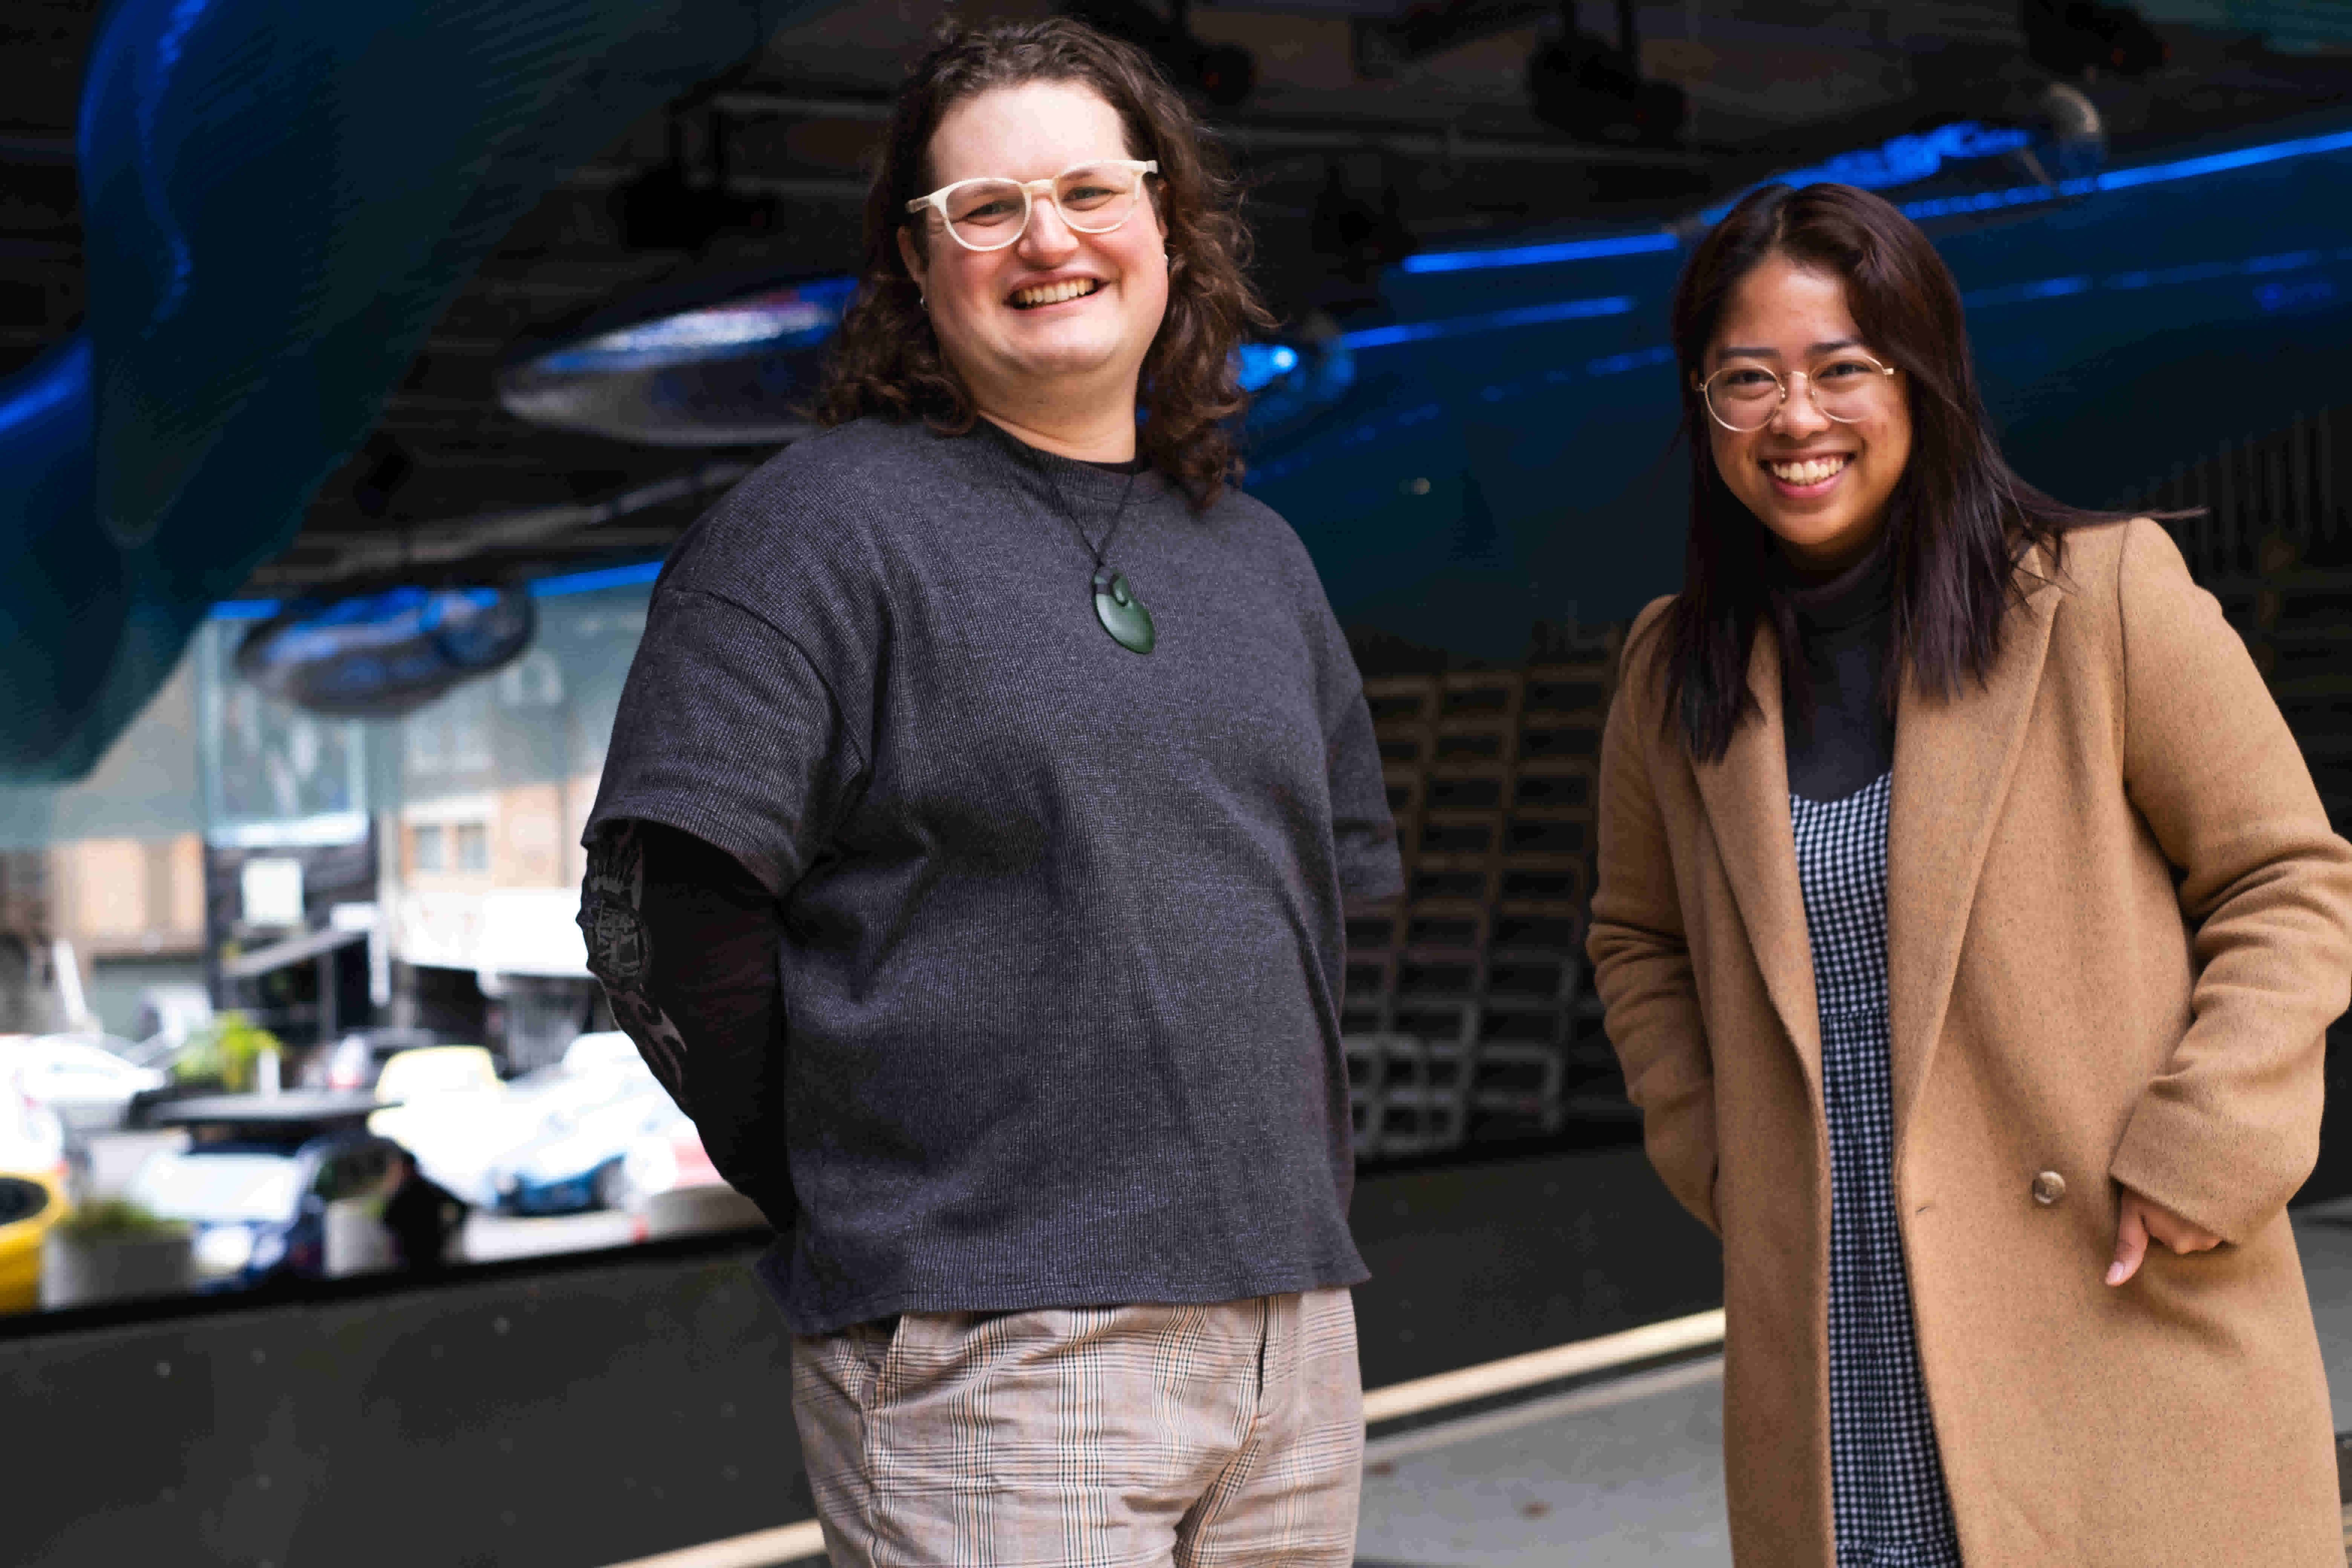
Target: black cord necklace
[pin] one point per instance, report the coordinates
(1122, 615)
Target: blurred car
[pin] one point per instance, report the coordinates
(670, 1187)
(574, 1161)
(32, 1138)
(665, 1157)
(467, 1143)
(440, 1103)
(424, 1071)
(608, 1050)
(172, 1013)
(357, 1059)
(256, 1183)
(82, 1080)
(31, 1202)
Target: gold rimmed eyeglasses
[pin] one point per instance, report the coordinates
(1846, 387)
(988, 214)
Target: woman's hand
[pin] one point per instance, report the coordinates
(2143, 1217)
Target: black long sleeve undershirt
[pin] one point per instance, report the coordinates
(695, 985)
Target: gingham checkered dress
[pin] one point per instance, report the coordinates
(1886, 1477)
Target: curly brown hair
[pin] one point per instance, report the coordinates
(886, 362)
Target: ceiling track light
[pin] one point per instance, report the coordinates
(1594, 90)
(724, 363)
(382, 651)
(2086, 38)
(1223, 74)
(675, 207)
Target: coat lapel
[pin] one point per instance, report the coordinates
(1953, 761)
(1746, 797)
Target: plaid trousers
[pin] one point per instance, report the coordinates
(1197, 1437)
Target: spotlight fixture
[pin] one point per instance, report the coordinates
(386, 467)
(2084, 37)
(728, 371)
(1225, 74)
(2068, 125)
(382, 652)
(1291, 380)
(1356, 236)
(673, 209)
(1595, 91)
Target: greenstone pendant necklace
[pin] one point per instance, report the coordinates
(1122, 615)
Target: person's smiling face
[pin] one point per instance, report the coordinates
(1058, 307)
(1820, 485)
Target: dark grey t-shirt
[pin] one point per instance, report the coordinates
(1063, 936)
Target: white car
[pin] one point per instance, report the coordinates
(78, 1079)
(669, 1186)
(469, 1149)
(574, 1162)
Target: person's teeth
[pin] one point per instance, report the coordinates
(1055, 293)
(1812, 471)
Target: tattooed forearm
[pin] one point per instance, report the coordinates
(621, 954)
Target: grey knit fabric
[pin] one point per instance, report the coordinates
(1065, 944)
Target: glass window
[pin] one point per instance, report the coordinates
(227, 1185)
(354, 1171)
(473, 847)
(426, 850)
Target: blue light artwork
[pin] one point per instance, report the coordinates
(380, 654)
(274, 213)
(2087, 314)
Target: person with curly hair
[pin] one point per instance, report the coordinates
(971, 853)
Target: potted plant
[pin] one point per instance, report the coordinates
(224, 1056)
(111, 1250)
(229, 1052)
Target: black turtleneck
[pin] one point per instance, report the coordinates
(1843, 626)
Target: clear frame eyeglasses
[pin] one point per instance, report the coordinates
(1846, 387)
(987, 214)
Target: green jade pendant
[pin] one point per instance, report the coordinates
(1121, 613)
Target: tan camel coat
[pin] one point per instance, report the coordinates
(2117, 927)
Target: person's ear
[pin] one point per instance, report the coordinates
(912, 255)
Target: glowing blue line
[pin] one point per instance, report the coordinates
(2221, 163)
(2130, 179)
(67, 377)
(540, 588)
(2192, 272)
(589, 582)
(1927, 208)
(1640, 359)
(1497, 321)
(1537, 255)
(2041, 289)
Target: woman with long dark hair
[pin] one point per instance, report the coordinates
(1968, 927)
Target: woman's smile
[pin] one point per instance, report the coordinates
(1802, 479)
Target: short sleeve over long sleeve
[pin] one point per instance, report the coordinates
(728, 731)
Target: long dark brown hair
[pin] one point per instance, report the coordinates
(1959, 522)
(887, 361)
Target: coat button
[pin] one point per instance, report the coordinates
(2048, 1188)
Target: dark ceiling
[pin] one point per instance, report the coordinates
(449, 478)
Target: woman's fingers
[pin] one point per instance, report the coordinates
(2183, 1236)
(2140, 1218)
(2131, 1240)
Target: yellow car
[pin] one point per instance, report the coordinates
(31, 1202)
(424, 1071)
(442, 1100)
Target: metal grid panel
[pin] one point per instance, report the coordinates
(1467, 1013)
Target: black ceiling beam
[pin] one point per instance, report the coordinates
(1382, 43)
